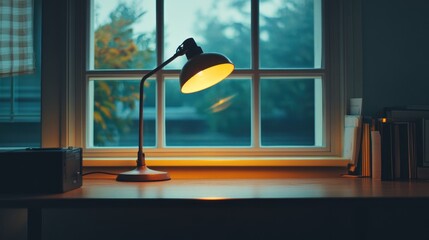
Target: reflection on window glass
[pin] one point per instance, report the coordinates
(217, 116)
(290, 34)
(20, 111)
(288, 112)
(27, 96)
(5, 96)
(123, 34)
(116, 116)
(217, 26)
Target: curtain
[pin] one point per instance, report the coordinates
(16, 37)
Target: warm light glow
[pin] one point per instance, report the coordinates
(212, 198)
(384, 120)
(207, 78)
(222, 104)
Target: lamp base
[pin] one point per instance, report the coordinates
(142, 174)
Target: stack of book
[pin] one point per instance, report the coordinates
(395, 146)
(398, 148)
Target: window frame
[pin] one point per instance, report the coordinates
(69, 122)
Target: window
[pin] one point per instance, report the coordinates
(20, 100)
(280, 101)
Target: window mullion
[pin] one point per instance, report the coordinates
(12, 97)
(254, 22)
(256, 129)
(160, 107)
(256, 125)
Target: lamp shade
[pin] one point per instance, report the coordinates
(203, 71)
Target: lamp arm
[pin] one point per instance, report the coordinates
(188, 45)
(140, 154)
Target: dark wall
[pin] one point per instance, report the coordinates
(395, 53)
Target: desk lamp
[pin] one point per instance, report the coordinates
(202, 71)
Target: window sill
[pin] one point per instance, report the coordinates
(221, 162)
(228, 172)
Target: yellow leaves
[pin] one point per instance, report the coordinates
(132, 48)
(105, 87)
(106, 111)
(103, 111)
(111, 50)
(135, 95)
(99, 119)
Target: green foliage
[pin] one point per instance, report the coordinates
(107, 123)
(289, 36)
(231, 38)
(287, 41)
(117, 47)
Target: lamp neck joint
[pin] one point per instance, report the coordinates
(190, 48)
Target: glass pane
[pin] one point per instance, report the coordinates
(288, 108)
(217, 116)
(115, 113)
(216, 26)
(290, 34)
(123, 32)
(5, 97)
(27, 96)
(20, 112)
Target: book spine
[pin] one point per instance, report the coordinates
(376, 154)
(366, 151)
(386, 151)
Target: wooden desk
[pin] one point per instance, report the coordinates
(230, 209)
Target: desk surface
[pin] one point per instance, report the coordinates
(96, 192)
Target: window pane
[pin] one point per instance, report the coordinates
(217, 26)
(288, 108)
(115, 113)
(290, 34)
(217, 116)
(5, 97)
(20, 112)
(27, 96)
(123, 33)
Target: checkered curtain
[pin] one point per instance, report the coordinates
(16, 37)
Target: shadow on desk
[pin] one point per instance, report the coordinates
(300, 219)
(328, 208)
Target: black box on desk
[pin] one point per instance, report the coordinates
(40, 170)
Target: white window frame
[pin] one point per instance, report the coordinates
(67, 122)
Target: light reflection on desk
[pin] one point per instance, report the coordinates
(199, 189)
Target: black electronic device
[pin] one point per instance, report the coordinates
(40, 170)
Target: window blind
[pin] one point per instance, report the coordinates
(16, 37)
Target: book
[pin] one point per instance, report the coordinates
(407, 113)
(352, 138)
(399, 149)
(404, 143)
(366, 150)
(376, 155)
(402, 149)
(413, 146)
(355, 106)
(385, 129)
